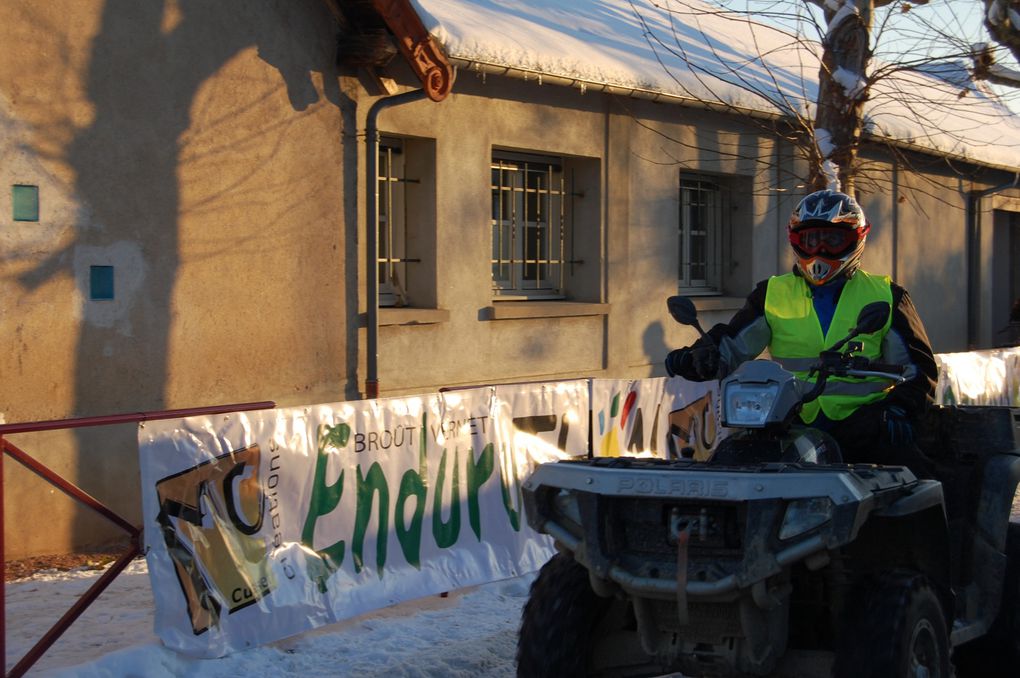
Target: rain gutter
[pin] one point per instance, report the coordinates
(974, 254)
(645, 93)
(648, 94)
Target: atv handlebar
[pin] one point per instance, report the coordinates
(888, 368)
(835, 364)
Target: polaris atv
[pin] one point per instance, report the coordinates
(775, 558)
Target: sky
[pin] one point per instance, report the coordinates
(468, 633)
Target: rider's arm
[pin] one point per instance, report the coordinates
(746, 335)
(907, 344)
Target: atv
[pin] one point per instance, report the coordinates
(773, 557)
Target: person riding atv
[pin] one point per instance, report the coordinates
(776, 555)
(796, 315)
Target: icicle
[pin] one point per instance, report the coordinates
(583, 87)
(540, 79)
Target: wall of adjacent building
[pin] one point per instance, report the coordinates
(195, 149)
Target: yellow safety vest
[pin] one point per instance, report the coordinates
(797, 338)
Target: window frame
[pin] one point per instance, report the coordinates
(519, 270)
(391, 222)
(714, 226)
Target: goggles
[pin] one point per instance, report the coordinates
(824, 239)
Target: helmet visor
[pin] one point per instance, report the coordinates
(830, 240)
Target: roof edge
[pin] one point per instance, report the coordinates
(647, 94)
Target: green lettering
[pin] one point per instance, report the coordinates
(477, 473)
(367, 486)
(506, 459)
(413, 484)
(324, 499)
(446, 533)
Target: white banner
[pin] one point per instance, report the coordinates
(666, 418)
(979, 378)
(260, 525)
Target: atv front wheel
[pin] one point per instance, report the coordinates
(895, 628)
(569, 630)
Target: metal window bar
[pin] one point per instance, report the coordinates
(391, 224)
(386, 216)
(75, 492)
(534, 253)
(700, 242)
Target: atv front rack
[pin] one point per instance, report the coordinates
(679, 530)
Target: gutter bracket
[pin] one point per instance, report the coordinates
(422, 53)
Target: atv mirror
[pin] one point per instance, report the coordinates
(683, 311)
(872, 317)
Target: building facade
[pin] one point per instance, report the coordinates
(190, 197)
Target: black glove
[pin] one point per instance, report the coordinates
(678, 362)
(706, 361)
(897, 427)
(699, 362)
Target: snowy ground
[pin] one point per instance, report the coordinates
(468, 633)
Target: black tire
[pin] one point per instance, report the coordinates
(892, 628)
(557, 635)
(997, 654)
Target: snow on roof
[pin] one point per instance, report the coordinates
(689, 51)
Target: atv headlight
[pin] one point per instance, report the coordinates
(565, 506)
(805, 514)
(748, 405)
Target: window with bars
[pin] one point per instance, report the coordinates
(701, 234)
(392, 223)
(528, 226)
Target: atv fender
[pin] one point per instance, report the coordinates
(999, 482)
(985, 565)
(916, 523)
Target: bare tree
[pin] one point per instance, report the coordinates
(827, 122)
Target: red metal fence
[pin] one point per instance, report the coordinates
(134, 532)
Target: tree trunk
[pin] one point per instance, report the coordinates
(1002, 19)
(842, 92)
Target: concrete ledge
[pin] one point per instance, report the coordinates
(412, 316)
(509, 310)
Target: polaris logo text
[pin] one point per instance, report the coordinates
(674, 487)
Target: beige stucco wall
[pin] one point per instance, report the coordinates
(213, 155)
(640, 166)
(196, 148)
(469, 348)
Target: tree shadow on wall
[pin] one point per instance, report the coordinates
(148, 63)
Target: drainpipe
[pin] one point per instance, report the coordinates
(974, 254)
(372, 230)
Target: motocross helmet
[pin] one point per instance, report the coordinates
(827, 231)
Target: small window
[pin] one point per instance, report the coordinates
(392, 223)
(25, 200)
(101, 283)
(701, 232)
(528, 234)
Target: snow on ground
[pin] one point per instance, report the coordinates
(468, 633)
